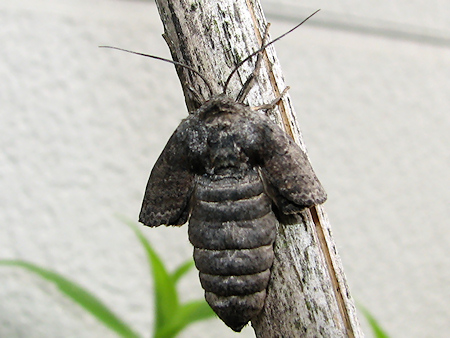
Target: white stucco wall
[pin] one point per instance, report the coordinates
(80, 128)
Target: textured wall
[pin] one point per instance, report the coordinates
(80, 128)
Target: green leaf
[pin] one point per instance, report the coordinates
(376, 328)
(194, 311)
(187, 314)
(171, 317)
(79, 295)
(166, 298)
(182, 270)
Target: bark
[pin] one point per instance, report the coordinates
(308, 295)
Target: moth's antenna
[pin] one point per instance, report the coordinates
(261, 49)
(166, 60)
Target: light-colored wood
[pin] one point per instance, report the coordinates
(308, 295)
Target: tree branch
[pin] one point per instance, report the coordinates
(308, 295)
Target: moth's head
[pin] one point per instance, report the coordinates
(218, 105)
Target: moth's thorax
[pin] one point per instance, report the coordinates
(222, 121)
(225, 150)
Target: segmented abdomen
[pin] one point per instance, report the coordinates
(232, 228)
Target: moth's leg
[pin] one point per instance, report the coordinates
(251, 79)
(272, 104)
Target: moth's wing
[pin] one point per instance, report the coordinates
(169, 188)
(287, 172)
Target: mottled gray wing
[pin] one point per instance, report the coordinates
(169, 188)
(289, 177)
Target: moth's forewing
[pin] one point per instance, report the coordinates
(290, 178)
(169, 188)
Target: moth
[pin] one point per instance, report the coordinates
(229, 170)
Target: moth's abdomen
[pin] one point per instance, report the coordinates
(232, 228)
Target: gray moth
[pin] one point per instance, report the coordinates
(229, 171)
(226, 169)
